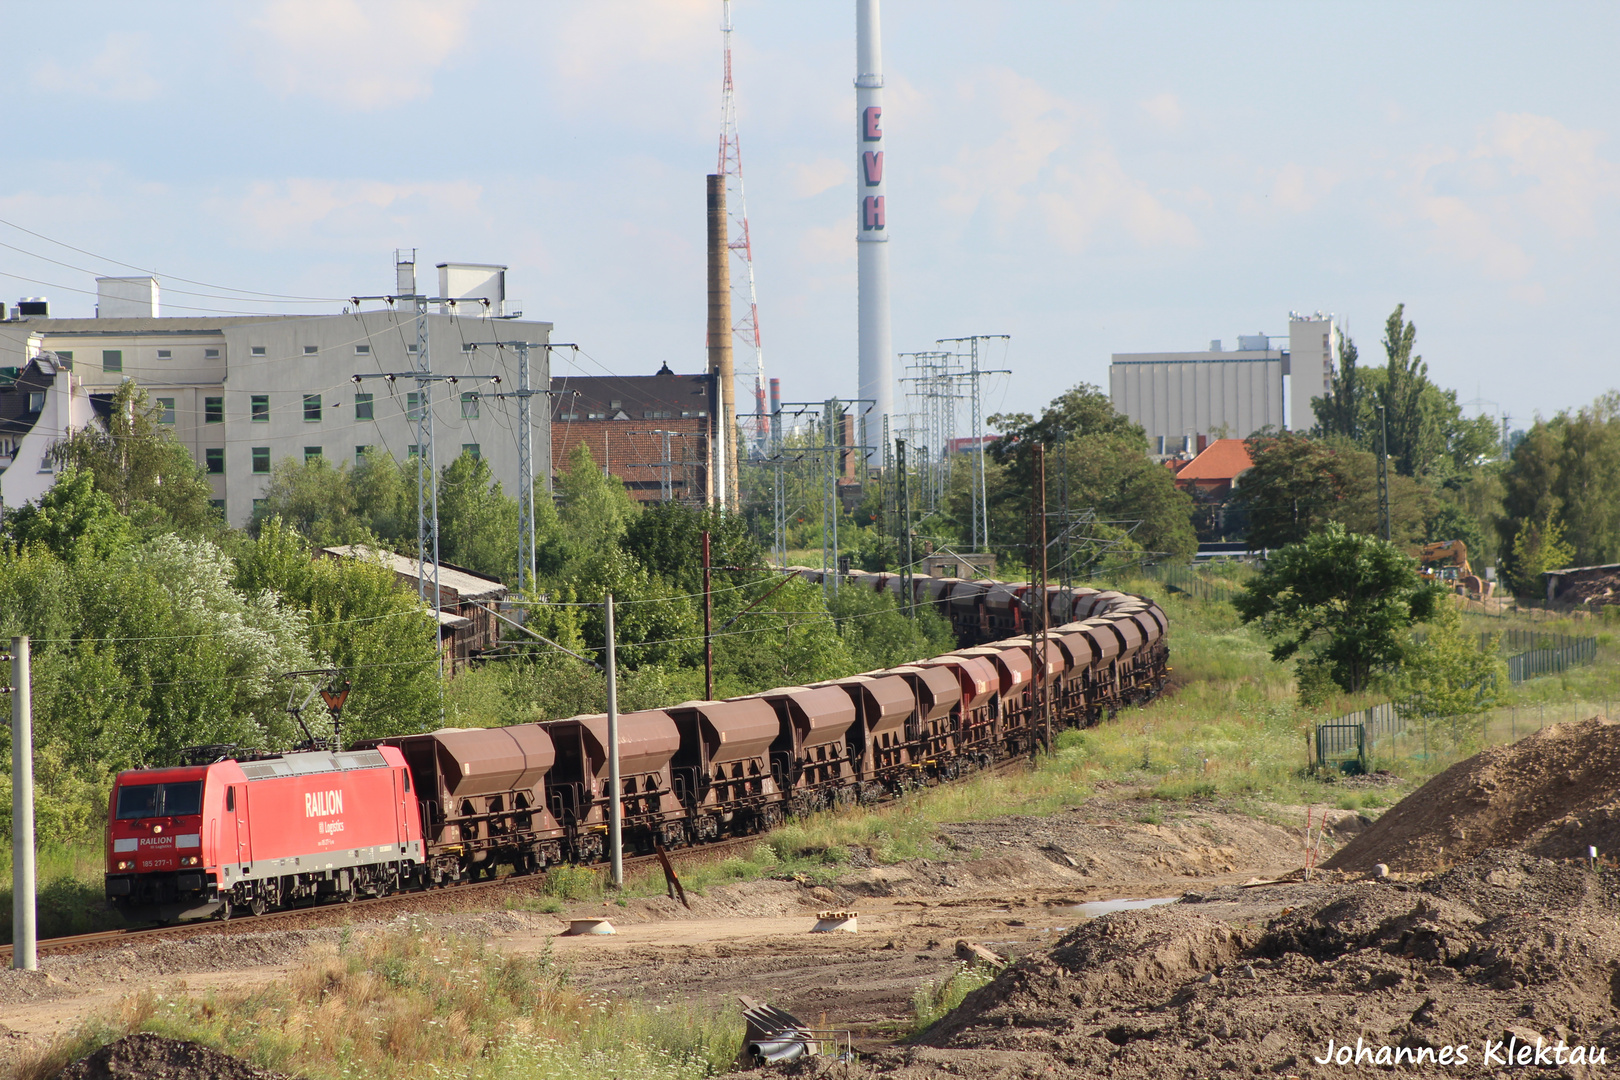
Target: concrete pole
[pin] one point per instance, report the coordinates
(875, 371)
(23, 953)
(615, 804)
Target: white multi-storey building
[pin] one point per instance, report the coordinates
(244, 392)
(1183, 398)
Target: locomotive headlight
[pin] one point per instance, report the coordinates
(157, 829)
(124, 865)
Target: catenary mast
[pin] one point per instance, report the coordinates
(744, 300)
(875, 375)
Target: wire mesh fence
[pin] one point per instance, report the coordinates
(1377, 731)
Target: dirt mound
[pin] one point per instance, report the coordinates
(1167, 992)
(1551, 793)
(144, 1056)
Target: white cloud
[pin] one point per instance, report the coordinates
(287, 211)
(119, 71)
(1570, 181)
(1051, 169)
(1298, 188)
(1467, 234)
(811, 178)
(1164, 110)
(360, 54)
(1526, 180)
(1099, 194)
(828, 244)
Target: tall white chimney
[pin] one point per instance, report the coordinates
(876, 375)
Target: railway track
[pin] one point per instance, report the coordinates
(336, 914)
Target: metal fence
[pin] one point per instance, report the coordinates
(1353, 736)
(1546, 654)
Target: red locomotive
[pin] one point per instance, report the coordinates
(269, 831)
(256, 834)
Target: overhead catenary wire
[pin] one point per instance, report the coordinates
(172, 277)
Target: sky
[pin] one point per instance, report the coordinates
(1088, 178)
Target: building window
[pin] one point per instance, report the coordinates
(311, 350)
(217, 504)
(210, 354)
(260, 408)
(469, 405)
(311, 453)
(615, 404)
(46, 465)
(473, 449)
(165, 410)
(36, 400)
(312, 408)
(214, 461)
(112, 359)
(596, 416)
(360, 453)
(411, 349)
(65, 354)
(261, 459)
(165, 354)
(214, 410)
(362, 350)
(413, 404)
(257, 350)
(570, 416)
(412, 452)
(363, 408)
(258, 504)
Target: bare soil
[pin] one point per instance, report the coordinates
(1007, 883)
(144, 1056)
(1553, 793)
(1189, 990)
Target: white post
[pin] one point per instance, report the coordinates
(875, 375)
(23, 952)
(615, 807)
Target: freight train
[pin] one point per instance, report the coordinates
(255, 832)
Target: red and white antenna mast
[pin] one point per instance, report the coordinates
(745, 307)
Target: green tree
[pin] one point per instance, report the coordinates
(667, 539)
(1344, 597)
(1568, 469)
(478, 523)
(1096, 458)
(595, 508)
(1297, 485)
(1339, 411)
(362, 619)
(1414, 436)
(151, 478)
(314, 497)
(1539, 546)
(1449, 675)
(72, 519)
(1082, 410)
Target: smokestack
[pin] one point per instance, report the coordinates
(876, 377)
(722, 421)
(776, 412)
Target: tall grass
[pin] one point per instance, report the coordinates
(933, 1000)
(70, 893)
(418, 1003)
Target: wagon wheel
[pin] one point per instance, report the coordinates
(258, 906)
(225, 911)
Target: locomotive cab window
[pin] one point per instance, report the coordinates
(407, 773)
(230, 798)
(159, 800)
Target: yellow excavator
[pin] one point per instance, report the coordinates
(1447, 561)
